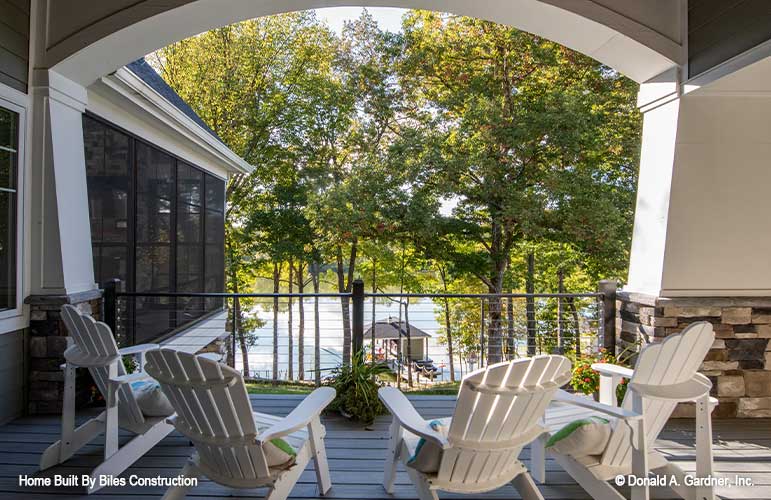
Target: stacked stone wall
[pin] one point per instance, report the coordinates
(739, 363)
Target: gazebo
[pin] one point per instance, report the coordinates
(393, 331)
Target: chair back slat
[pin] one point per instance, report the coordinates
(674, 360)
(501, 403)
(213, 410)
(95, 340)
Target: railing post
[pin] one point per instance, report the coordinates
(608, 290)
(234, 327)
(357, 332)
(110, 304)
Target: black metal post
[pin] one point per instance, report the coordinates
(608, 289)
(357, 333)
(234, 329)
(530, 305)
(110, 304)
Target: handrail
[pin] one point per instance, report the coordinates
(225, 295)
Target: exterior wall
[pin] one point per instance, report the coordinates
(739, 364)
(716, 244)
(719, 30)
(14, 43)
(12, 374)
(47, 343)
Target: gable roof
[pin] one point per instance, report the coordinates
(147, 74)
(392, 328)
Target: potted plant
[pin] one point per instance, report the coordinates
(587, 381)
(357, 384)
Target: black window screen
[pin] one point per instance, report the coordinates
(157, 224)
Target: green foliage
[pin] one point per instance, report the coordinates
(587, 381)
(357, 385)
(457, 144)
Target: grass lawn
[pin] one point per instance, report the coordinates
(262, 387)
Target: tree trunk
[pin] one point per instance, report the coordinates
(530, 305)
(511, 349)
(316, 329)
(498, 254)
(301, 326)
(290, 329)
(494, 331)
(447, 325)
(374, 291)
(237, 331)
(239, 334)
(560, 329)
(409, 342)
(276, 283)
(576, 325)
(344, 284)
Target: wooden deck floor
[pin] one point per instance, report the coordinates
(356, 459)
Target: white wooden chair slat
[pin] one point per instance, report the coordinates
(480, 416)
(497, 413)
(505, 405)
(92, 344)
(673, 361)
(214, 412)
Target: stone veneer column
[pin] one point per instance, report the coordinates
(47, 342)
(739, 363)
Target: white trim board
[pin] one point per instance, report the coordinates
(130, 103)
(12, 320)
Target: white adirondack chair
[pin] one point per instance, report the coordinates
(92, 346)
(665, 374)
(214, 412)
(497, 414)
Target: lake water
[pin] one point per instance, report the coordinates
(422, 314)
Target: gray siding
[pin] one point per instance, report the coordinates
(721, 29)
(12, 375)
(14, 43)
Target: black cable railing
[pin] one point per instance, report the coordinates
(425, 337)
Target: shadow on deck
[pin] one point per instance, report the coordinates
(742, 448)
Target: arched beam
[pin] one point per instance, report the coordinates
(623, 41)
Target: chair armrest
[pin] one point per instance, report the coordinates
(74, 356)
(408, 417)
(140, 350)
(584, 402)
(308, 409)
(214, 356)
(611, 369)
(690, 390)
(127, 379)
(136, 349)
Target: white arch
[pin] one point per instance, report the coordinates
(587, 26)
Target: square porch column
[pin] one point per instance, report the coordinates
(61, 259)
(701, 249)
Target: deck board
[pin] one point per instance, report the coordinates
(356, 459)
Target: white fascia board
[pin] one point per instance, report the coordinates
(134, 89)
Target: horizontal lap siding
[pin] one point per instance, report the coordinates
(12, 372)
(14, 43)
(721, 29)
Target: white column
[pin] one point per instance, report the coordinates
(61, 234)
(660, 104)
(703, 220)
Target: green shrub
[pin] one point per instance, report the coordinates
(356, 385)
(587, 381)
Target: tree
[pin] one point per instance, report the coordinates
(514, 119)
